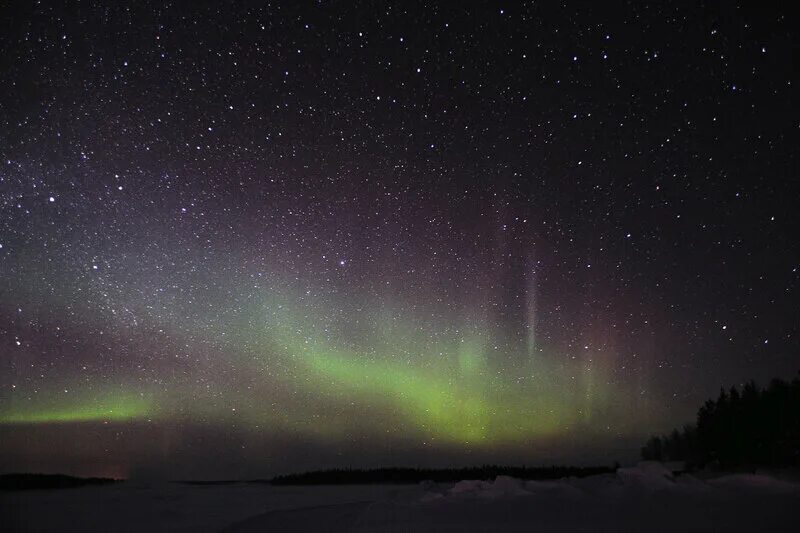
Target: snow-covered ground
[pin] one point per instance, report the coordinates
(644, 498)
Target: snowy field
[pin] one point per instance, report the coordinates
(645, 498)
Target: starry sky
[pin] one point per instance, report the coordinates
(241, 239)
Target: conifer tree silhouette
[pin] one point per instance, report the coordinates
(748, 428)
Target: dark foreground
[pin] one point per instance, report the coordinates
(645, 498)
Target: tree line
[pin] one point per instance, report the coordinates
(440, 475)
(48, 481)
(754, 426)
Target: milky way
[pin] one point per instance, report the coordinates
(238, 241)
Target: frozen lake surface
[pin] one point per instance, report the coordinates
(645, 498)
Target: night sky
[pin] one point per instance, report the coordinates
(238, 241)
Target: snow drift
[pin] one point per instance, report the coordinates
(647, 497)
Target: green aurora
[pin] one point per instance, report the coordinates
(434, 382)
(108, 406)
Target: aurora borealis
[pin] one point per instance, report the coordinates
(237, 241)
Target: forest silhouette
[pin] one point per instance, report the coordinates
(751, 427)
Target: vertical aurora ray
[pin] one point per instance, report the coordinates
(437, 384)
(443, 380)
